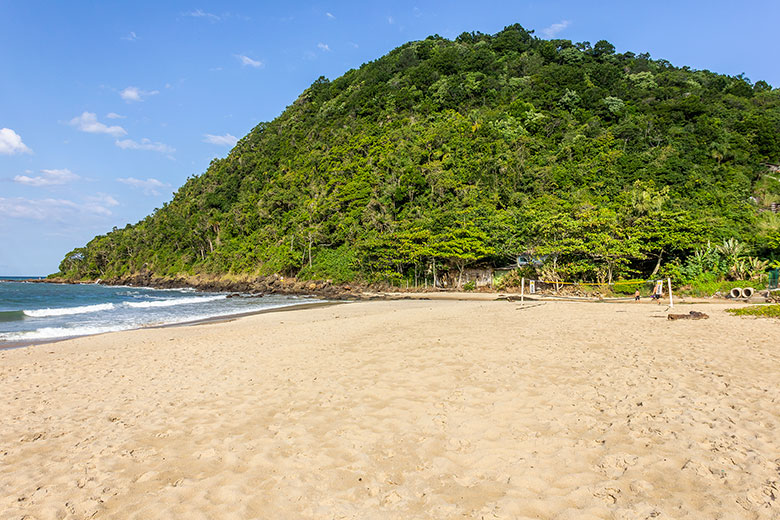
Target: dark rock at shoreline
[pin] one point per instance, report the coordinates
(249, 287)
(255, 287)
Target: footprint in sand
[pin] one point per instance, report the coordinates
(613, 466)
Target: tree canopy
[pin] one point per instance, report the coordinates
(444, 153)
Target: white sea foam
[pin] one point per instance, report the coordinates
(57, 332)
(65, 311)
(140, 321)
(174, 301)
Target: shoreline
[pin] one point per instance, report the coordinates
(326, 289)
(389, 296)
(201, 321)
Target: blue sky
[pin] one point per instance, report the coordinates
(107, 107)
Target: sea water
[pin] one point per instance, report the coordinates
(36, 312)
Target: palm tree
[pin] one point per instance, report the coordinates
(733, 251)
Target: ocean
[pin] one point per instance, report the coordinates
(37, 312)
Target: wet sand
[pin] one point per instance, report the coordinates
(401, 409)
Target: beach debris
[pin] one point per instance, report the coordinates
(693, 315)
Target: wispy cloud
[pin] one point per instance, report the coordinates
(99, 203)
(221, 140)
(149, 186)
(55, 209)
(555, 28)
(114, 115)
(87, 122)
(323, 46)
(200, 13)
(131, 37)
(131, 94)
(49, 178)
(144, 144)
(390, 20)
(11, 143)
(330, 15)
(247, 61)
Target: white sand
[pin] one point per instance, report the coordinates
(401, 410)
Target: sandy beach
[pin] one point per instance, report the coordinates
(401, 410)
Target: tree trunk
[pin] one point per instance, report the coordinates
(657, 264)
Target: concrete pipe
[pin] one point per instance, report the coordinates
(736, 292)
(747, 292)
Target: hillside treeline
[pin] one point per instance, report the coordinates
(444, 154)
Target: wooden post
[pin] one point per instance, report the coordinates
(671, 298)
(522, 290)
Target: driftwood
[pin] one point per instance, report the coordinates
(693, 315)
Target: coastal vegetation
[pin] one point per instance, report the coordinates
(443, 154)
(761, 311)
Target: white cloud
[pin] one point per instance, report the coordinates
(555, 28)
(49, 178)
(200, 13)
(114, 115)
(54, 209)
(330, 15)
(222, 140)
(144, 144)
(246, 60)
(131, 94)
(87, 122)
(100, 202)
(11, 143)
(323, 46)
(130, 37)
(150, 186)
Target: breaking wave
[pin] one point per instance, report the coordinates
(64, 311)
(56, 332)
(175, 301)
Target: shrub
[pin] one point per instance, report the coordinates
(628, 286)
(333, 264)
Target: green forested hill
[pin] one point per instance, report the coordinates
(476, 150)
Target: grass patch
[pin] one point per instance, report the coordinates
(762, 311)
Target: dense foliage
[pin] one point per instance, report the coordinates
(446, 153)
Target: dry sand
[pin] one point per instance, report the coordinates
(401, 410)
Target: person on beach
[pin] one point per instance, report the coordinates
(636, 295)
(659, 291)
